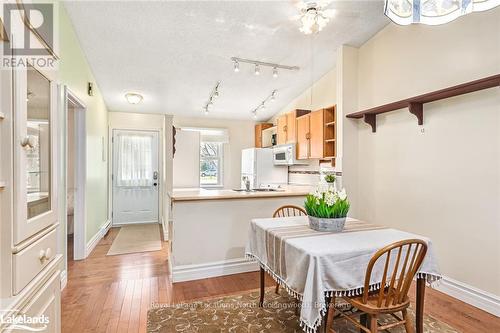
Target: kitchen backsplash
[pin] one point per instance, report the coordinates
(311, 174)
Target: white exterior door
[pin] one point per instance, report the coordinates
(136, 178)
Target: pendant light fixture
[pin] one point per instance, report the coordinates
(433, 12)
(314, 15)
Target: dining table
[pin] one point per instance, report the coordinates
(314, 266)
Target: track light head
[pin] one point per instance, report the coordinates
(257, 69)
(275, 72)
(236, 66)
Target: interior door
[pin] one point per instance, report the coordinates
(135, 177)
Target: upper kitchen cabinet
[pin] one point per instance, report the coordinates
(282, 129)
(259, 128)
(316, 134)
(287, 124)
(35, 152)
(302, 147)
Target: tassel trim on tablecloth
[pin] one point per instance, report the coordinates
(430, 278)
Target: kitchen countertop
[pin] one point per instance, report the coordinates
(195, 194)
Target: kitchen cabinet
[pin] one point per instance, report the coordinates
(316, 134)
(258, 133)
(302, 146)
(287, 126)
(282, 129)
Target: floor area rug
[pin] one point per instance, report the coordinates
(136, 238)
(240, 314)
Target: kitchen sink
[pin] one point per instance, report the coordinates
(258, 190)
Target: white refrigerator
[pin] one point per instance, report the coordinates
(258, 166)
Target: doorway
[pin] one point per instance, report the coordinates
(135, 177)
(75, 177)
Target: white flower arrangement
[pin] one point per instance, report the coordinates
(327, 202)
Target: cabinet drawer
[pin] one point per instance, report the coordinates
(47, 303)
(31, 260)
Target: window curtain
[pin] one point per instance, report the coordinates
(135, 160)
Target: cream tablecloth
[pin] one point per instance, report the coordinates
(313, 265)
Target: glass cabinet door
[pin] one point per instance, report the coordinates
(34, 152)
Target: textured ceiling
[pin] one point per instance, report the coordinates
(174, 52)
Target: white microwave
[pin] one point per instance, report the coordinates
(286, 155)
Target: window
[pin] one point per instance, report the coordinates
(211, 163)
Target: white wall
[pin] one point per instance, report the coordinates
(443, 183)
(241, 136)
(323, 92)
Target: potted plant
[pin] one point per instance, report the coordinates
(327, 209)
(330, 178)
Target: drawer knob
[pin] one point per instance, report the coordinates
(28, 142)
(48, 253)
(41, 255)
(45, 254)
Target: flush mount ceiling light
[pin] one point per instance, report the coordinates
(133, 98)
(262, 105)
(433, 12)
(258, 64)
(211, 99)
(314, 16)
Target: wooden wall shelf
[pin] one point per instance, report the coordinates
(415, 104)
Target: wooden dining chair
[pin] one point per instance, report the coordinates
(392, 296)
(289, 210)
(285, 211)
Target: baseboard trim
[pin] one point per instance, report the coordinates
(64, 279)
(471, 295)
(92, 243)
(213, 269)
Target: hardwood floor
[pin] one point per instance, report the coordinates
(113, 293)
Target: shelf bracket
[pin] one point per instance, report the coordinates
(417, 109)
(371, 119)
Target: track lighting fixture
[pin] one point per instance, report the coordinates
(211, 99)
(262, 105)
(236, 63)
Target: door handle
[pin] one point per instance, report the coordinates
(155, 184)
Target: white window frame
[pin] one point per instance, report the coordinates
(220, 169)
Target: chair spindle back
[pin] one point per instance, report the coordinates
(396, 281)
(289, 210)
